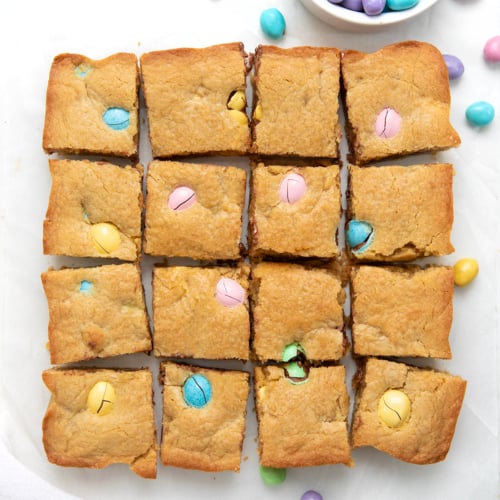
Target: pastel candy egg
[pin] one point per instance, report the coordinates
(197, 391)
(292, 351)
(359, 235)
(311, 495)
(394, 408)
(335, 1)
(272, 23)
(237, 100)
(85, 286)
(480, 113)
(401, 4)
(373, 7)
(116, 118)
(81, 70)
(465, 270)
(229, 292)
(257, 112)
(491, 50)
(238, 116)
(388, 123)
(454, 65)
(101, 398)
(272, 476)
(296, 372)
(292, 188)
(356, 5)
(181, 198)
(105, 237)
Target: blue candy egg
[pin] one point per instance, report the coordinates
(401, 4)
(480, 113)
(359, 235)
(272, 23)
(197, 391)
(116, 118)
(454, 65)
(85, 286)
(81, 70)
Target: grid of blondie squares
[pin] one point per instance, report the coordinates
(256, 259)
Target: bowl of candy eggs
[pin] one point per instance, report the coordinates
(366, 15)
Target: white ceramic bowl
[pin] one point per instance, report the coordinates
(349, 20)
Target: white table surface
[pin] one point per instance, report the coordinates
(32, 34)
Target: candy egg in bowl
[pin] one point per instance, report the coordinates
(340, 14)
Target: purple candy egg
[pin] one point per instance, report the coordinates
(373, 7)
(356, 5)
(311, 495)
(335, 1)
(454, 65)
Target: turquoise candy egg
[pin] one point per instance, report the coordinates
(116, 118)
(359, 235)
(272, 23)
(85, 286)
(197, 391)
(480, 113)
(401, 4)
(292, 351)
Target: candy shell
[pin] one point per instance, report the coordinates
(292, 351)
(295, 372)
(272, 23)
(454, 65)
(394, 408)
(311, 495)
(229, 292)
(105, 237)
(85, 286)
(272, 476)
(491, 50)
(480, 113)
(81, 70)
(101, 398)
(359, 235)
(401, 4)
(388, 123)
(181, 198)
(292, 188)
(197, 391)
(116, 118)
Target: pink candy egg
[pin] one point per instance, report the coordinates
(388, 123)
(292, 188)
(229, 292)
(181, 198)
(491, 50)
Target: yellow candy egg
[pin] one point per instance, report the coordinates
(239, 116)
(465, 270)
(101, 398)
(394, 408)
(237, 100)
(257, 112)
(105, 237)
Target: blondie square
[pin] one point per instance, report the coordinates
(302, 424)
(422, 432)
(296, 102)
(194, 210)
(402, 311)
(397, 101)
(97, 417)
(203, 424)
(201, 312)
(295, 304)
(92, 106)
(399, 213)
(94, 210)
(294, 211)
(189, 99)
(95, 312)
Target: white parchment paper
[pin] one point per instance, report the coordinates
(32, 34)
